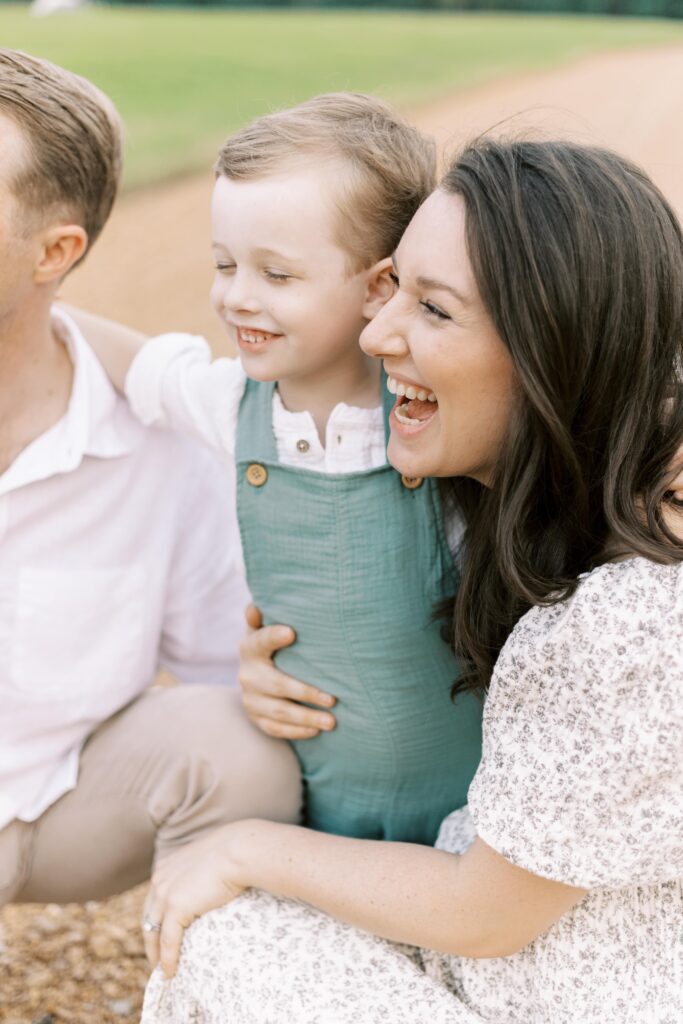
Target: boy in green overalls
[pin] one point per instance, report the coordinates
(308, 206)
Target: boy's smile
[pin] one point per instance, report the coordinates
(252, 339)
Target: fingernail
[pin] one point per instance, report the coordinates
(326, 722)
(283, 634)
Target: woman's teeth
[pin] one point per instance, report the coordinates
(408, 391)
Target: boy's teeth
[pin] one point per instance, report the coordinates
(408, 391)
(251, 337)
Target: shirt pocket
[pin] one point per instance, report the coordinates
(77, 631)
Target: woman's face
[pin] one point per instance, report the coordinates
(439, 344)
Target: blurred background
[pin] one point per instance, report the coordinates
(183, 77)
(602, 71)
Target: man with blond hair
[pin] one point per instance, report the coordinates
(118, 555)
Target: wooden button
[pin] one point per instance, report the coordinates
(257, 474)
(412, 482)
(302, 445)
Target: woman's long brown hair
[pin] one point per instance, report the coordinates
(578, 259)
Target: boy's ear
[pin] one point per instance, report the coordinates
(60, 247)
(380, 287)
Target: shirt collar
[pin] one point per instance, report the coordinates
(97, 421)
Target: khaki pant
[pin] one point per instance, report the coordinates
(166, 769)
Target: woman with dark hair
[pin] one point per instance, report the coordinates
(540, 297)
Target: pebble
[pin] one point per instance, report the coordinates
(123, 1007)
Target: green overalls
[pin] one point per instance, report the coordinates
(357, 563)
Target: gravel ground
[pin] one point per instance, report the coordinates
(84, 964)
(77, 964)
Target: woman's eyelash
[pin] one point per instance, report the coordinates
(272, 275)
(434, 311)
(224, 266)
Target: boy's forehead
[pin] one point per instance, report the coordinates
(293, 202)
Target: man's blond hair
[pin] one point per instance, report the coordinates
(390, 167)
(73, 140)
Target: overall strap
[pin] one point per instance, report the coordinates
(255, 438)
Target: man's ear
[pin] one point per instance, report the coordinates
(60, 247)
(380, 287)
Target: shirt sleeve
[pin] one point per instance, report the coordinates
(174, 383)
(581, 779)
(207, 591)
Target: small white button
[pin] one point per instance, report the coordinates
(302, 445)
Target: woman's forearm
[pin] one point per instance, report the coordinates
(477, 905)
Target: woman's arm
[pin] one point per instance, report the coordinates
(114, 345)
(475, 905)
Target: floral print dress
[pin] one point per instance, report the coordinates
(581, 781)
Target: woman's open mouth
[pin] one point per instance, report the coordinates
(415, 406)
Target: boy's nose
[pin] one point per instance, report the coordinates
(238, 296)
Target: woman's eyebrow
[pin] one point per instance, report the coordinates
(430, 282)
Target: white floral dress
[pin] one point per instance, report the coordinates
(581, 781)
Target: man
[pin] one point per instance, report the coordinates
(117, 555)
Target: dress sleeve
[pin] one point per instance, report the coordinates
(173, 382)
(581, 778)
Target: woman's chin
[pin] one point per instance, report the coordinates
(406, 459)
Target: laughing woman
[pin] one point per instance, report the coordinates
(540, 296)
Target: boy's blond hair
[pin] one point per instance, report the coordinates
(391, 167)
(73, 141)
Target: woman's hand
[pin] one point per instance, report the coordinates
(199, 877)
(273, 700)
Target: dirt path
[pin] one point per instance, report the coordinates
(152, 269)
(84, 965)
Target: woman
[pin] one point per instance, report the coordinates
(540, 296)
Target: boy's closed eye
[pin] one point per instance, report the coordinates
(276, 275)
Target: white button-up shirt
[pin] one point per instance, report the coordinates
(119, 553)
(173, 382)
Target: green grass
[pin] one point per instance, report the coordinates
(183, 79)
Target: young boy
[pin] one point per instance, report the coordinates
(308, 205)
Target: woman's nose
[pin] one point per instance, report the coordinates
(384, 335)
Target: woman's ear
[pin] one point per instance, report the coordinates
(380, 287)
(61, 246)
